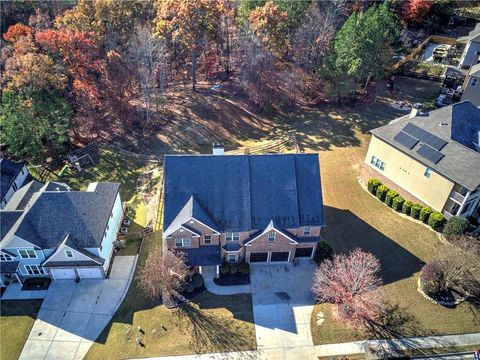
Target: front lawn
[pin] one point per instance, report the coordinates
(209, 323)
(16, 321)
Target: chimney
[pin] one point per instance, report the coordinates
(218, 149)
(416, 110)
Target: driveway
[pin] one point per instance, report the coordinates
(282, 307)
(73, 314)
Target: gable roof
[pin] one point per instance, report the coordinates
(52, 215)
(245, 192)
(21, 197)
(271, 226)
(475, 70)
(9, 171)
(474, 35)
(461, 125)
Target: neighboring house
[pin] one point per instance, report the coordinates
(432, 158)
(12, 177)
(471, 86)
(235, 208)
(472, 48)
(49, 230)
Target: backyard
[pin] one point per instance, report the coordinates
(16, 321)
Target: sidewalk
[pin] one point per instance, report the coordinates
(15, 292)
(208, 273)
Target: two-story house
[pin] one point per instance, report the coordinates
(12, 177)
(472, 48)
(49, 230)
(235, 208)
(471, 86)
(431, 158)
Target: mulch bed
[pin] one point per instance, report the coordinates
(36, 284)
(235, 279)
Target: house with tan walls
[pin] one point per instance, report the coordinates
(432, 158)
(471, 86)
(242, 208)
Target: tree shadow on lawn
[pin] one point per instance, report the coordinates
(346, 231)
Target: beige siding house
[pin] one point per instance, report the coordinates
(236, 208)
(431, 158)
(471, 86)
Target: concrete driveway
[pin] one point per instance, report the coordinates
(73, 314)
(282, 307)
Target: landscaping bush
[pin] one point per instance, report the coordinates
(244, 268)
(382, 192)
(224, 268)
(233, 269)
(407, 207)
(425, 214)
(323, 252)
(189, 287)
(197, 280)
(432, 278)
(372, 185)
(391, 194)
(436, 220)
(415, 211)
(397, 203)
(455, 226)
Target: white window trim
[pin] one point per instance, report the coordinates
(40, 269)
(69, 251)
(231, 254)
(209, 239)
(28, 256)
(305, 232)
(6, 257)
(474, 82)
(183, 242)
(270, 238)
(230, 236)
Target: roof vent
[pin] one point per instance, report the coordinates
(443, 123)
(57, 189)
(218, 149)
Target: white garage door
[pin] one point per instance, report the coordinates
(63, 274)
(90, 273)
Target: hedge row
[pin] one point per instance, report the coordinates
(396, 202)
(233, 268)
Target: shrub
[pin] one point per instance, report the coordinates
(455, 226)
(391, 194)
(197, 280)
(436, 220)
(323, 252)
(233, 269)
(425, 214)
(224, 268)
(244, 268)
(432, 278)
(189, 287)
(415, 211)
(372, 185)
(382, 192)
(407, 207)
(397, 203)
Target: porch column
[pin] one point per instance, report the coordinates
(217, 272)
(18, 278)
(462, 206)
(200, 270)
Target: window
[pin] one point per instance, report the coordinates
(474, 82)
(69, 253)
(207, 239)
(271, 236)
(428, 172)
(377, 163)
(232, 236)
(232, 257)
(34, 270)
(182, 242)
(107, 227)
(5, 257)
(27, 254)
(15, 187)
(307, 231)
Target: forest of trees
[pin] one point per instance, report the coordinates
(70, 69)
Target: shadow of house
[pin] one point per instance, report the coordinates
(346, 231)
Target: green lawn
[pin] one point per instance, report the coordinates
(209, 323)
(16, 321)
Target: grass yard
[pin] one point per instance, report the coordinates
(209, 323)
(16, 321)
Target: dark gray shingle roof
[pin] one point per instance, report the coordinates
(83, 215)
(8, 267)
(461, 162)
(7, 220)
(245, 192)
(9, 171)
(203, 256)
(21, 198)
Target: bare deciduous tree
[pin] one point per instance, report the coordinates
(163, 275)
(351, 282)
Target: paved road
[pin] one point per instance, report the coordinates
(73, 314)
(282, 308)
